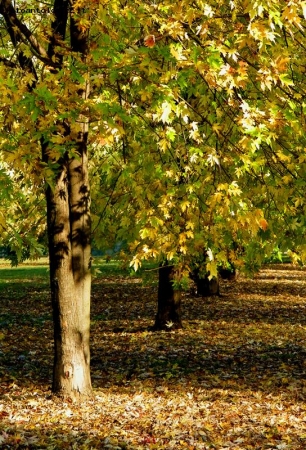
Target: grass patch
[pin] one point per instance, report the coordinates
(112, 268)
(28, 274)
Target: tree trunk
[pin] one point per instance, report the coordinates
(69, 250)
(69, 232)
(205, 286)
(169, 302)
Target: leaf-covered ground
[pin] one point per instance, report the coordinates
(234, 378)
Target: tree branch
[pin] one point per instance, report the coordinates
(18, 30)
(8, 63)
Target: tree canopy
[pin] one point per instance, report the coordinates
(196, 118)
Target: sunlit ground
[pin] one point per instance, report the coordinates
(234, 378)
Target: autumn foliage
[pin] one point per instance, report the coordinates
(185, 121)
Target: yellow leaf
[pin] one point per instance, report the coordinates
(217, 128)
(210, 254)
(287, 179)
(304, 9)
(135, 263)
(170, 256)
(185, 205)
(166, 110)
(189, 225)
(211, 267)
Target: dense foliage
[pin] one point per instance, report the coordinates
(196, 118)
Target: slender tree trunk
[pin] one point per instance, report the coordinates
(69, 250)
(169, 302)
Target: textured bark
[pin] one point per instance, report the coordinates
(69, 250)
(169, 302)
(205, 287)
(69, 235)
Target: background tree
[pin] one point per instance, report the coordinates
(22, 220)
(212, 92)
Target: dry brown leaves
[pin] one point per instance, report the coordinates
(234, 378)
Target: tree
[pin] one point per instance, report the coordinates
(168, 315)
(63, 146)
(21, 216)
(196, 117)
(69, 232)
(223, 116)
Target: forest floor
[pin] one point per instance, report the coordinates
(233, 378)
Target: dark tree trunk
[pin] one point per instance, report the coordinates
(169, 302)
(228, 273)
(206, 287)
